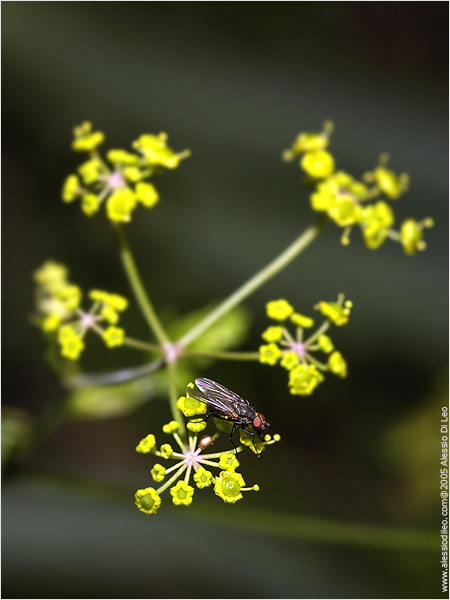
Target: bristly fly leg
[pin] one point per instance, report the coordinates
(252, 433)
(231, 438)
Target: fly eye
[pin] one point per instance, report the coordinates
(258, 421)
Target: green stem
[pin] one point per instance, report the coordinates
(138, 289)
(169, 482)
(219, 454)
(315, 362)
(173, 397)
(132, 343)
(263, 522)
(114, 377)
(257, 281)
(220, 355)
(322, 329)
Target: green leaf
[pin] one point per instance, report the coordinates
(16, 430)
(106, 401)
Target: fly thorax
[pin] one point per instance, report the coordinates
(247, 413)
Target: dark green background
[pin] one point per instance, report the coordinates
(234, 82)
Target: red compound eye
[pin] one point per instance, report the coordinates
(259, 421)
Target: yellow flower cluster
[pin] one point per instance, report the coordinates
(191, 460)
(58, 306)
(294, 353)
(56, 298)
(345, 200)
(121, 183)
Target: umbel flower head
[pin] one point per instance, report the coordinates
(192, 465)
(349, 202)
(294, 353)
(58, 305)
(120, 180)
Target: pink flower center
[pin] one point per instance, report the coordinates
(191, 457)
(116, 181)
(171, 352)
(298, 348)
(88, 320)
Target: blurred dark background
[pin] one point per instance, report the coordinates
(234, 82)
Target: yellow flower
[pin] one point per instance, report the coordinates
(52, 276)
(71, 296)
(411, 236)
(98, 295)
(90, 171)
(304, 379)
(325, 344)
(65, 332)
(196, 426)
(109, 314)
(113, 336)
(156, 152)
(114, 301)
(190, 407)
(133, 174)
(146, 194)
(158, 473)
(90, 204)
(358, 189)
(309, 142)
(70, 189)
(269, 354)
(322, 200)
(302, 321)
(253, 442)
(171, 427)
(337, 364)
(289, 360)
(166, 451)
(182, 493)
(148, 501)
(318, 164)
(203, 478)
(122, 157)
(51, 323)
(279, 310)
(228, 462)
(147, 445)
(71, 343)
(376, 221)
(228, 486)
(120, 205)
(273, 334)
(335, 312)
(338, 187)
(86, 140)
(345, 211)
(389, 183)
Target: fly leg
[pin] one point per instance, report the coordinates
(252, 433)
(231, 437)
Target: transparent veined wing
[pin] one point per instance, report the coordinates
(214, 390)
(216, 404)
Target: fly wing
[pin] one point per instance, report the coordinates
(216, 400)
(214, 390)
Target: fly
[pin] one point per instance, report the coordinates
(224, 404)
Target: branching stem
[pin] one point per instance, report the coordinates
(256, 281)
(136, 285)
